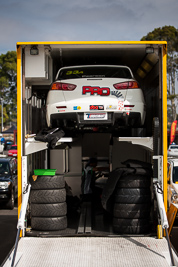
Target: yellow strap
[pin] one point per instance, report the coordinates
(171, 215)
(159, 232)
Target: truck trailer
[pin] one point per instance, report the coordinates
(123, 221)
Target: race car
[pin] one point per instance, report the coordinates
(95, 95)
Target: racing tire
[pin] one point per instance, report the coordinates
(131, 211)
(132, 195)
(49, 224)
(48, 196)
(47, 182)
(49, 210)
(134, 181)
(131, 226)
(11, 201)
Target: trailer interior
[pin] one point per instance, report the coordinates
(40, 63)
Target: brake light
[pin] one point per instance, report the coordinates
(63, 86)
(126, 85)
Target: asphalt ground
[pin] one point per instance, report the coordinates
(8, 230)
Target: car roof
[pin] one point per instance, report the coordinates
(93, 66)
(5, 159)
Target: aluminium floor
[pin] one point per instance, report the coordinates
(91, 252)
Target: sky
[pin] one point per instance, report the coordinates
(82, 20)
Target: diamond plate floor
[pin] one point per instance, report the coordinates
(91, 252)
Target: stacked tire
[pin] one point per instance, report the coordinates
(132, 205)
(48, 203)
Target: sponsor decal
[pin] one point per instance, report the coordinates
(111, 107)
(120, 105)
(76, 108)
(96, 90)
(96, 107)
(95, 116)
(117, 94)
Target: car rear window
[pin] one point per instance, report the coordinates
(173, 147)
(13, 147)
(4, 168)
(94, 72)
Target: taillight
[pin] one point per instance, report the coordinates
(126, 85)
(63, 86)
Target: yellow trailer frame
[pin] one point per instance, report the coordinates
(19, 101)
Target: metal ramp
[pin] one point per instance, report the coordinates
(92, 252)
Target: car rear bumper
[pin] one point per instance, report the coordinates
(78, 118)
(172, 154)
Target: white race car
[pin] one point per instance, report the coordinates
(95, 96)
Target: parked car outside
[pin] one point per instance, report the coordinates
(172, 150)
(95, 95)
(13, 151)
(8, 144)
(8, 181)
(173, 181)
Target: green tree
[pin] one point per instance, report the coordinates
(169, 34)
(8, 85)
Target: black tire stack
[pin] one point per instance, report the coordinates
(132, 205)
(48, 203)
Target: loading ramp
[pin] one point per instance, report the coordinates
(92, 252)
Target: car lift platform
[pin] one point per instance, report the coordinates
(91, 252)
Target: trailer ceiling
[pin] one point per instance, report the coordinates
(130, 55)
(144, 65)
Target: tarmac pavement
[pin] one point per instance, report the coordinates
(8, 230)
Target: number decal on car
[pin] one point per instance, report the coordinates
(69, 72)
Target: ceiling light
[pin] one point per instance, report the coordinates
(34, 50)
(149, 50)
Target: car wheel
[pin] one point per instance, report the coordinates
(48, 196)
(10, 203)
(49, 210)
(47, 182)
(49, 224)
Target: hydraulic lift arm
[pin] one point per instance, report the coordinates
(163, 216)
(20, 224)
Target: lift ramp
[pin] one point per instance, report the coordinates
(92, 252)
